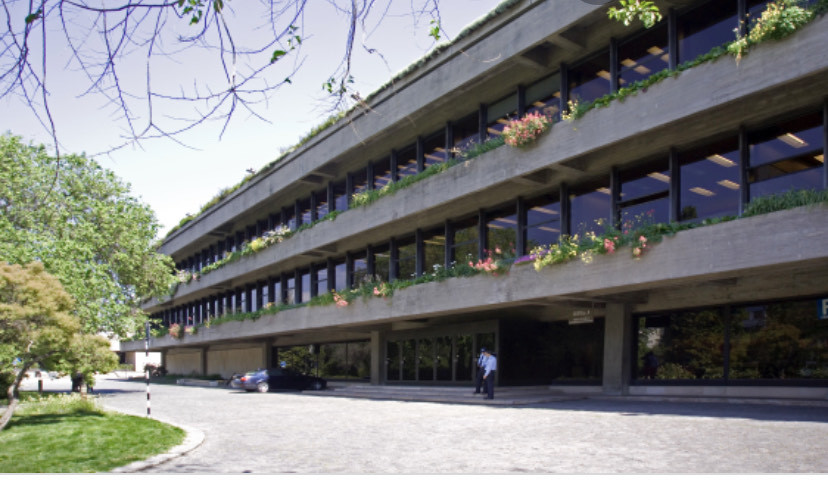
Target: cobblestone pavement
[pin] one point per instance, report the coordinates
(287, 432)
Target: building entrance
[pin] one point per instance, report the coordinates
(434, 359)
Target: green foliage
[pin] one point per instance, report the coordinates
(643, 10)
(38, 326)
(80, 221)
(786, 200)
(779, 20)
(67, 434)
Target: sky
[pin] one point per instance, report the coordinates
(177, 178)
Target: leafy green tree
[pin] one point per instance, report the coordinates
(38, 326)
(87, 230)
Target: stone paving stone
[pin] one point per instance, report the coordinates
(289, 432)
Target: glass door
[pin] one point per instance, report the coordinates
(425, 360)
(443, 358)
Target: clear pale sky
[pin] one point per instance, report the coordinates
(175, 180)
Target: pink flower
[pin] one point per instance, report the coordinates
(636, 252)
(376, 291)
(609, 245)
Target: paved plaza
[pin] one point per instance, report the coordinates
(288, 432)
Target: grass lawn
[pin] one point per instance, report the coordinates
(66, 434)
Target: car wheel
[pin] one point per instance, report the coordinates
(263, 387)
(316, 385)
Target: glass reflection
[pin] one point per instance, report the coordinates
(590, 79)
(643, 56)
(705, 27)
(686, 345)
(709, 181)
(590, 209)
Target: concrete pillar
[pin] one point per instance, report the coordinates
(202, 352)
(267, 354)
(377, 357)
(618, 335)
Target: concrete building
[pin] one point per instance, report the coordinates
(738, 308)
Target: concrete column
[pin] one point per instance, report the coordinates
(267, 350)
(377, 357)
(618, 337)
(203, 352)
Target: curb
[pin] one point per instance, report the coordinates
(193, 440)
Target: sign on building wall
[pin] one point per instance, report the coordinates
(822, 308)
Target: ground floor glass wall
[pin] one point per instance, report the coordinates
(539, 353)
(773, 341)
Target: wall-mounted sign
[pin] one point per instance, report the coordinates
(822, 308)
(581, 316)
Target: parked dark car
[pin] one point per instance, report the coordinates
(278, 378)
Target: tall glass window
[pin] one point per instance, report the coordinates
(685, 345)
(466, 241)
(382, 262)
(340, 276)
(590, 208)
(305, 279)
(321, 204)
(643, 56)
(544, 97)
(780, 341)
(434, 242)
(407, 162)
(434, 149)
(359, 272)
(785, 156)
(501, 228)
(305, 211)
(645, 195)
(321, 279)
(406, 258)
(382, 173)
(289, 214)
(290, 291)
(359, 179)
(340, 196)
(498, 114)
(277, 297)
(466, 133)
(705, 27)
(543, 222)
(710, 181)
(590, 79)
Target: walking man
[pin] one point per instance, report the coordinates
(489, 368)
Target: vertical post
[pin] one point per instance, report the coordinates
(146, 361)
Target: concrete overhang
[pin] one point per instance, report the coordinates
(750, 251)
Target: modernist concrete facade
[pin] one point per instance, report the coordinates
(716, 304)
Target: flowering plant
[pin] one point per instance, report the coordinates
(339, 300)
(522, 132)
(175, 330)
(189, 330)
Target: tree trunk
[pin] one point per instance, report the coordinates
(13, 397)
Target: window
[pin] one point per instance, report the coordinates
(305, 210)
(382, 173)
(406, 258)
(321, 204)
(359, 270)
(590, 79)
(464, 249)
(305, 285)
(289, 217)
(498, 115)
(705, 27)
(434, 249)
(466, 133)
(786, 156)
(543, 222)
(544, 97)
(359, 179)
(434, 149)
(382, 262)
(643, 56)
(340, 276)
(501, 229)
(290, 291)
(340, 196)
(590, 208)
(645, 195)
(321, 279)
(710, 181)
(407, 162)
